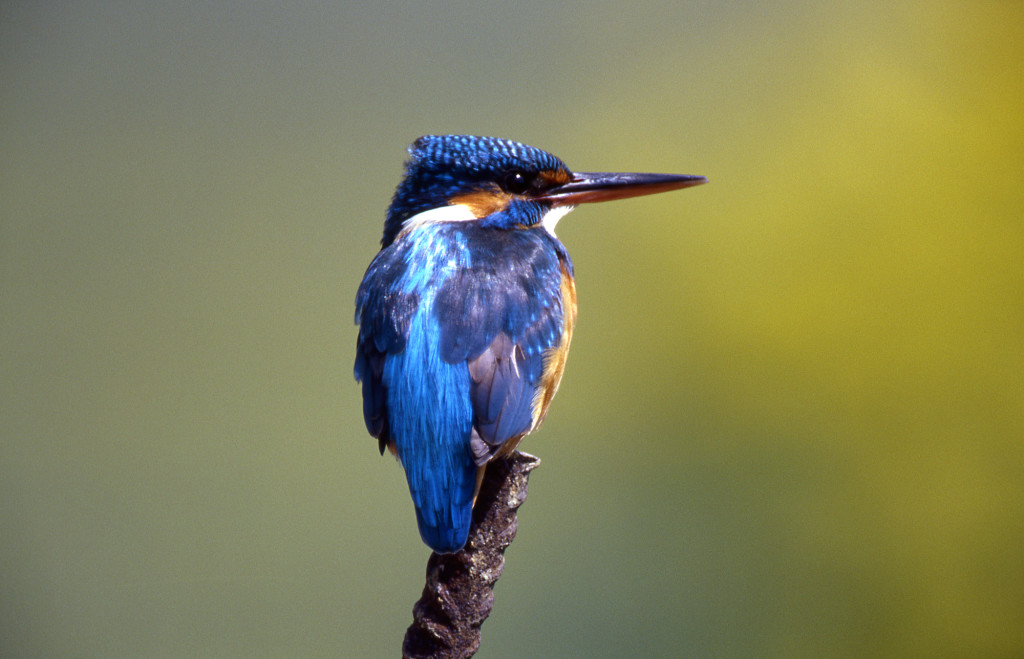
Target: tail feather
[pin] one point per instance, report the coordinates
(444, 501)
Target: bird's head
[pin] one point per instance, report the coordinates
(503, 184)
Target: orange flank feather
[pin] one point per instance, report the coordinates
(554, 360)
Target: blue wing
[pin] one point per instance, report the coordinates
(504, 315)
(383, 313)
(457, 326)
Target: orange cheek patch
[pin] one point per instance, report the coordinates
(484, 202)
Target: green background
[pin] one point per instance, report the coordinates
(793, 420)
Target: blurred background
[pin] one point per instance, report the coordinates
(793, 419)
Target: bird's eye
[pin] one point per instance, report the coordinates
(516, 183)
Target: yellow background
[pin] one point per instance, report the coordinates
(792, 422)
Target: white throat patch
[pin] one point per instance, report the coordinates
(452, 213)
(463, 213)
(552, 217)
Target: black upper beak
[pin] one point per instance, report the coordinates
(587, 187)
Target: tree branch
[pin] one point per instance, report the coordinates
(459, 593)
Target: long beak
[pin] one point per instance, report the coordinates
(587, 187)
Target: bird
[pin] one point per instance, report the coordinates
(466, 313)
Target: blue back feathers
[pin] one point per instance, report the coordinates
(456, 318)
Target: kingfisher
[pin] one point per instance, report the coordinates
(466, 313)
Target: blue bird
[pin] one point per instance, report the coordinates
(466, 313)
